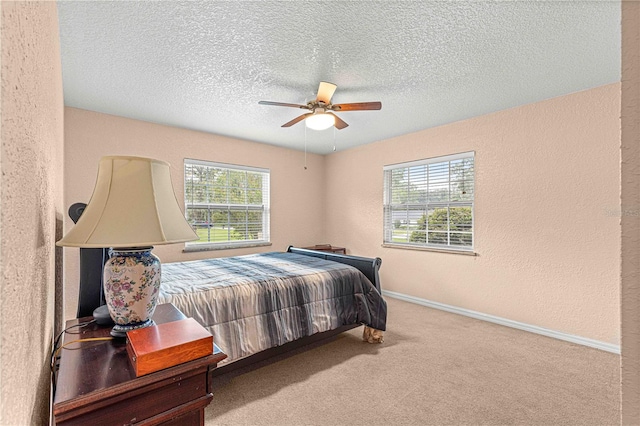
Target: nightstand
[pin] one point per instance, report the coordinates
(96, 383)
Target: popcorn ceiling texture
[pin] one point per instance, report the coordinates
(31, 199)
(205, 65)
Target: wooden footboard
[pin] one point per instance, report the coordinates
(369, 266)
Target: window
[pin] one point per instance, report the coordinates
(227, 205)
(429, 203)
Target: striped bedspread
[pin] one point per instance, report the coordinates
(251, 303)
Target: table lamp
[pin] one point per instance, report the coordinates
(132, 209)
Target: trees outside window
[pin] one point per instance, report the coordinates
(226, 203)
(430, 202)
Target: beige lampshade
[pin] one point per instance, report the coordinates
(133, 205)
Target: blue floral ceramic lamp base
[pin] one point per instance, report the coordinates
(131, 288)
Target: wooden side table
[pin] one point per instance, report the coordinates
(96, 383)
(327, 247)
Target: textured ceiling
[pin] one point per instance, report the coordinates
(205, 65)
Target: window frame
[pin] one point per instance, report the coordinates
(388, 206)
(208, 206)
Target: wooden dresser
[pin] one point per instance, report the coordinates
(327, 247)
(96, 384)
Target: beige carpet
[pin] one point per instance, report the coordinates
(434, 368)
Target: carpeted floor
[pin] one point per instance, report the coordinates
(434, 368)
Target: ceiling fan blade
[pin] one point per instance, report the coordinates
(297, 119)
(358, 106)
(340, 123)
(325, 92)
(283, 104)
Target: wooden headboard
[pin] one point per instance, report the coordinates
(368, 266)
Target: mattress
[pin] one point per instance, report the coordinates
(255, 302)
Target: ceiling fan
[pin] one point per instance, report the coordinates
(321, 116)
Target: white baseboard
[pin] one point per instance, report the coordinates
(608, 347)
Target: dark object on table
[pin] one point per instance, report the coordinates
(91, 294)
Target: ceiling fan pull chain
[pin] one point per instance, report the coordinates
(305, 147)
(334, 139)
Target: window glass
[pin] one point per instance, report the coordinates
(227, 205)
(430, 202)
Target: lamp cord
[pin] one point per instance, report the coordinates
(88, 339)
(56, 350)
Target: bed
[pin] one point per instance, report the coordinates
(357, 302)
(261, 304)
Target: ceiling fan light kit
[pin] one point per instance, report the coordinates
(320, 121)
(321, 116)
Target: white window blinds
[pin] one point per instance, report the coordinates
(430, 202)
(227, 205)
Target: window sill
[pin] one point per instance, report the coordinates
(211, 247)
(434, 249)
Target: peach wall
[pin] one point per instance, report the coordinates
(31, 206)
(630, 213)
(546, 230)
(297, 195)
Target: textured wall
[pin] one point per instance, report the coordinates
(630, 213)
(31, 201)
(546, 230)
(297, 209)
